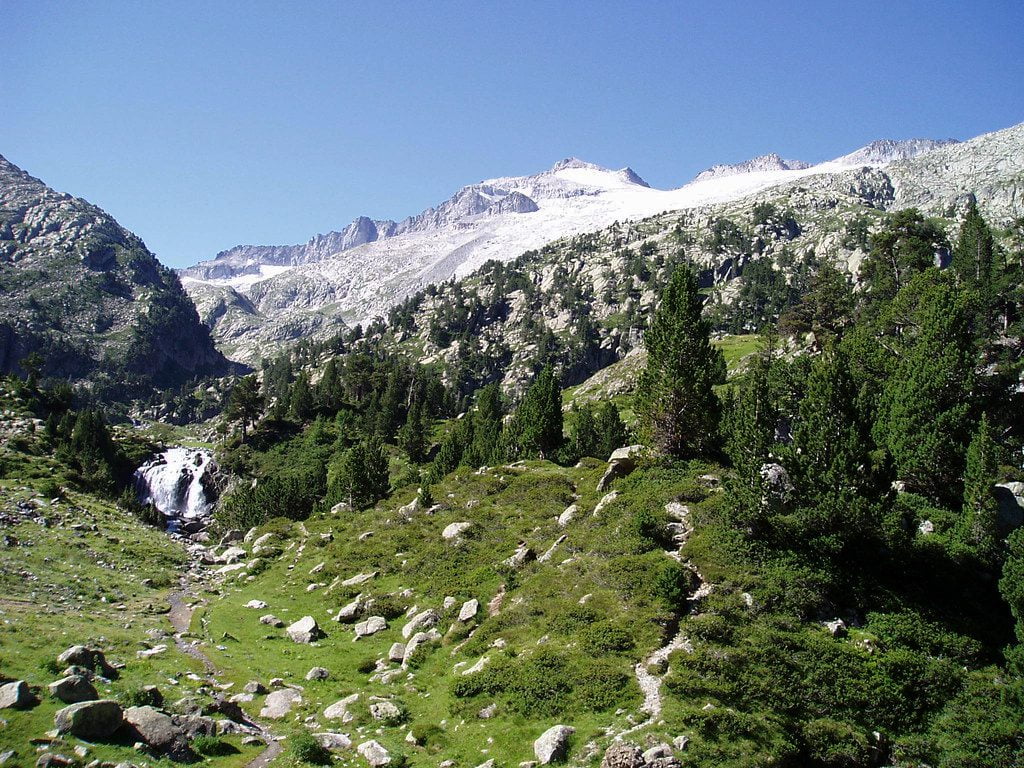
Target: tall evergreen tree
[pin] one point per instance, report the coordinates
(979, 527)
(413, 437)
(245, 403)
(905, 246)
(536, 427)
(924, 412)
(974, 263)
(611, 431)
(675, 400)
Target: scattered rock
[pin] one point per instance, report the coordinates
(487, 712)
(339, 709)
(157, 730)
(333, 741)
(371, 626)
(448, 603)
(271, 621)
(455, 530)
(421, 621)
(553, 744)
(359, 578)
(156, 650)
(836, 628)
(396, 652)
(305, 630)
(51, 760)
(385, 711)
(256, 604)
(552, 549)
(73, 689)
(255, 687)
(620, 463)
(607, 499)
(520, 557)
(351, 611)
(17, 695)
(566, 517)
(623, 755)
(279, 703)
(90, 720)
(494, 607)
(90, 658)
(374, 753)
(469, 609)
(318, 673)
(926, 527)
(657, 752)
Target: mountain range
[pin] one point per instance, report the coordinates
(259, 297)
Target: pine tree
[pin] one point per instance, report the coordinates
(245, 402)
(300, 404)
(362, 477)
(974, 263)
(412, 437)
(536, 427)
(611, 431)
(923, 417)
(905, 246)
(675, 401)
(583, 436)
(487, 425)
(979, 527)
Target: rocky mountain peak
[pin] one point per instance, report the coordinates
(884, 151)
(769, 162)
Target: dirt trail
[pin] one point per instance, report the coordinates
(182, 607)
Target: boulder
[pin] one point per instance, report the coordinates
(318, 673)
(255, 687)
(333, 741)
(553, 744)
(231, 555)
(271, 621)
(90, 658)
(339, 709)
(620, 463)
(256, 604)
(396, 652)
(836, 628)
(305, 630)
(73, 689)
(52, 760)
(90, 720)
(17, 695)
(279, 703)
(775, 483)
(374, 753)
(156, 729)
(359, 578)
(385, 711)
(487, 712)
(622, 754)
(423, 620)
(371, 626)
(196, 725)
(469, 609)
(420, 638)
(1010, 497)
(566, 517)
(455, 530)
(351, 611)
(520, 557)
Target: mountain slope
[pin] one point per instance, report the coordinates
(249, 315)
(88, 296)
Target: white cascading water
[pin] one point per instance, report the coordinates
(172, 482)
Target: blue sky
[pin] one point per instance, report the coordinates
(202, 125)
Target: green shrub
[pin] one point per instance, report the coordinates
(211, 746)
(307, 749)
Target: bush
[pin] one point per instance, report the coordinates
(307, 749)
(211, 746)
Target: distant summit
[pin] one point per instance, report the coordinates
(885, 151)
(769, 162)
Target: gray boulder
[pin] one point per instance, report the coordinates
(90, 658)
(469, 609)
(16, 695)
(73, 689)
(333, 741)
(157, 730)
(374, 753)
(255, 687)
(271, 621)
(90, 720)
(423, 620)
(305, 630)
(318, 673)
(385, 711)
(620, 463)
(339, 709)
(371, 626)
(553, 744)
(280, 703)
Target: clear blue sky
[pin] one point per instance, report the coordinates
(201, 125)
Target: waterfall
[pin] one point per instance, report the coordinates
(173, 483)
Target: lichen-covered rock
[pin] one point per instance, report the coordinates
(622, 754)
(279, 703)
(374, 753)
